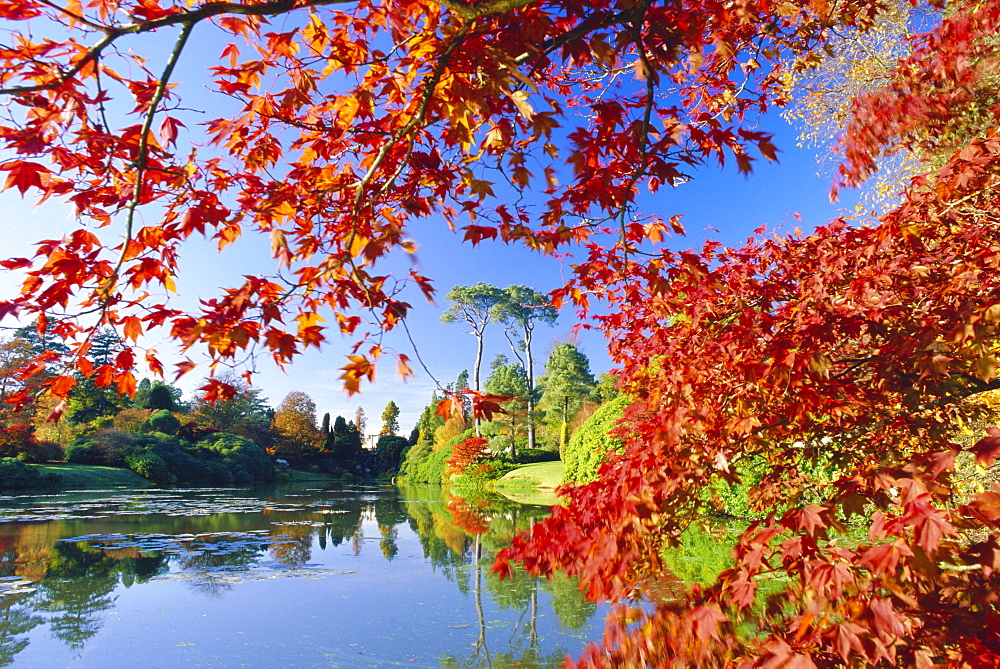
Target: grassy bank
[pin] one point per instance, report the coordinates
(296, 476)
(87, 476)
(532, 484)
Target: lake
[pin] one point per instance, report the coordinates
(293, 577)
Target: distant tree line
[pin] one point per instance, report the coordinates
(236, 440)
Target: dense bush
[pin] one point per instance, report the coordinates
(15, 475)
(812, 476)
(414, 458)
(38, 452)
(163, 421)
(424, 464)
(13, 440)
(182, 468)
(247, 461)
(152, 467)
(83, 451)
(108, 447)
(219, 459)
(433, 468)
(527, 456)
(132, 420)
(590, 444)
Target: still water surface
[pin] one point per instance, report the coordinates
(298, 577)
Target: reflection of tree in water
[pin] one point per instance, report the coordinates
(517, 593)
(343, 521)
(79, 583)
(389, 513)
(16, 618)
(8, 560)
(461, 535)
(293, 545)
(76, 589)
(527, 659)
(388, 541)
(211, 566)
(572, 609)
(446, 547)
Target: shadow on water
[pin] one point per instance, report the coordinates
(187, 576)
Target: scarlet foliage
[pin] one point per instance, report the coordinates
(858, 345)
(468, 453)
(470, 518)
(15, 439)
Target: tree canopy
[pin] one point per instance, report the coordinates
(567, 381)
(334, 128)
(519, 311)
(390, 420)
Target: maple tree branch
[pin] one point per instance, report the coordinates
(76, 17)
(430, 86)
(855, 364)
(471, 11)
(93, 54)
(416, 352)
(142, 154)
(208, 10)
(584, 28)
(647, 116)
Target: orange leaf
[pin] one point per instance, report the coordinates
(154, 364)
(126, 383)
(61, 385)
(132, 328)
(183, 368)
(24, 175)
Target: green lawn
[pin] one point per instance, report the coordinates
(87, 476)
(298, 476)
(532, 484)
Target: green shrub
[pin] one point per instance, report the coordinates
(590, 444)
(103, 422)
(163, 421)
(247, 461)
(83, 451)
(15, 475)
(734, 500)
(152, 467)
(219, 459)
(432, 468)
(527, 456)
(414, 457)
(108, 447)
(810, 477)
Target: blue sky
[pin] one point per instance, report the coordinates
(718, 204)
